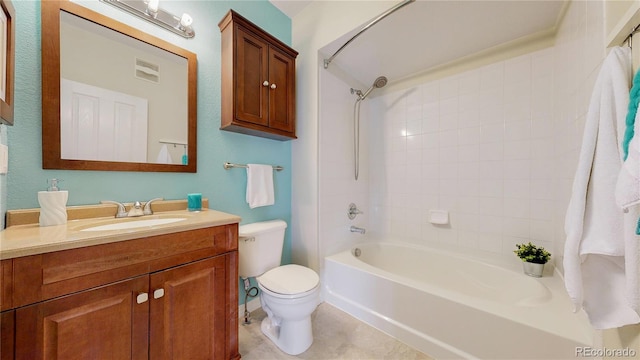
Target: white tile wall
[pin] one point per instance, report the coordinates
(471, 144)
(496, 146)
(337, 186)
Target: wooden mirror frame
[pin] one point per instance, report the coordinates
(51, 151)
(6, 105)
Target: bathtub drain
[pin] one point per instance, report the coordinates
(357, 252)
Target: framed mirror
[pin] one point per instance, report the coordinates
(114, 97)
(7, 58)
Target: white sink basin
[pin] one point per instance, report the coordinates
(132, 224)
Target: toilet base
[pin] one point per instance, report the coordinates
(293, 337)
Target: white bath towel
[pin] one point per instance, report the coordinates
(260, 190)
(632, 257)
(594, 252)
(628, 199)
(163, 156)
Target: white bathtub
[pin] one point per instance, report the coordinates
(453, 306)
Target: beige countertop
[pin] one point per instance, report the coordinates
(32, 239)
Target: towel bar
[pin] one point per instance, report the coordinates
(229, 165)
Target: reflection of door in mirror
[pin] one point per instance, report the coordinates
(100, 124)
(112, 78)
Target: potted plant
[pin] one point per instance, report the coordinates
(533, 258)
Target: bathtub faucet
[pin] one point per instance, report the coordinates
(357, 229)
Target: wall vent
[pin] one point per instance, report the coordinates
(147, 71)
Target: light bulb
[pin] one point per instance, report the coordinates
(186, 20)
(152, 6)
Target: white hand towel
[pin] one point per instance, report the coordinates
(595, 246)
(260, 185)
(163, 156)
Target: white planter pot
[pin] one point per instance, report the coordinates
(533, 269)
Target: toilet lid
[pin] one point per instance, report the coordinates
(289, 279)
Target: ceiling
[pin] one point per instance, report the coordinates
(428, 34)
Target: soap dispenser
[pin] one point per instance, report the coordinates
(53, 205)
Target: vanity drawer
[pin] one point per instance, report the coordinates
(46, 276)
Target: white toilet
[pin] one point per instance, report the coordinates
(289, 293)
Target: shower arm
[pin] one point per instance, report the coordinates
(365, 28)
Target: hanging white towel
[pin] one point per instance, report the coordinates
(594, 268)
(628, 198)
(163, 156)
(632, 257)
(260, 185)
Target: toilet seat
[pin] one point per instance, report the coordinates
(289, 281)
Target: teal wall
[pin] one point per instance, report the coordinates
(224, 188)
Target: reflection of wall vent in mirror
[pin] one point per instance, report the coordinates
(147, 71)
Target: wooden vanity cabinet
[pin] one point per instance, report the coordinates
(170, 296)
(258, 81)
(101, 323)
(7, 316)
(190, 322)
(7, 335)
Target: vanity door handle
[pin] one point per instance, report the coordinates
(142, 298)
(273, 86)
(158, 293)
(265, 83)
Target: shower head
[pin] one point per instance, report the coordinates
(378, 83)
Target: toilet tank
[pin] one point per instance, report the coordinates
(260, 247)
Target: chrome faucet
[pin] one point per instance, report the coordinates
(357, 229)
(122, 210)
(136, 209)
(147, 206)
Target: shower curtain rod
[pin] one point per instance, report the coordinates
(365, 28)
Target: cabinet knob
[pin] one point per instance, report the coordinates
(158, 293)
(265, 83)
(273, 86)
(142, 298)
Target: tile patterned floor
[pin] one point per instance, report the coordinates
(337, 335)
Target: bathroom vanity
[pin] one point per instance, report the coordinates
(167, 291)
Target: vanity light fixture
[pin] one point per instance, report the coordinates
(150, 11)
(152, 7)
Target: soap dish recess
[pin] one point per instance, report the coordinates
(439, 217)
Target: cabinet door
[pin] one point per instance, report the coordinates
(103, 323)
(282, 91)
(7, 336)
(251, 68)
(188, 316)
(6, 284)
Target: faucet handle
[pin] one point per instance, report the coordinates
(353, 211)
(122, 211)
(147, 206)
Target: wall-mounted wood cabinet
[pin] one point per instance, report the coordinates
(172, 296)
(258, 81)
